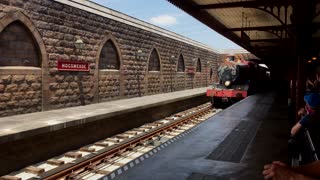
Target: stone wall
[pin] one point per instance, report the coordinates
(109, 85)
(20, 93)
(56, 27)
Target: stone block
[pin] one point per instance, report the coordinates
(18, 79)
(86, 78)
(60, 92)
(5, 97)
(31, 79)
(18, 96)
(69, 92)
(12, 88)
(69, 78)
(53, 70)
(36, 86)
(2, 88)
(77, 91)
(102, 89)
(54, 86)
(13, 104)
(86, 90)
(30, 94)
(74, 98)
(74, 85)
(54, 100)
(88, 96)
(3, 106)
(64, 99)
(59, 78)
(6, 79)
(64, 85)
(35, 102)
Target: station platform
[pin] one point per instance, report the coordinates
(233, 144)
(34, 137)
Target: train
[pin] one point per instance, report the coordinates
(237, 80)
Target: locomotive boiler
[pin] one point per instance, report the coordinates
(236, 81)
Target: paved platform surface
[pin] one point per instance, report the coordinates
(21, 126)
(234, 144)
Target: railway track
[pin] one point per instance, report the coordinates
(109, 157)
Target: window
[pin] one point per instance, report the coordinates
(109, 57)
(198, 66)
(18, 47)
(154, 61)
(181, 66)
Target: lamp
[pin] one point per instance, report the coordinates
(79, 44)
(139, 54)
(172, 58)
(138, 57)
(207, 72)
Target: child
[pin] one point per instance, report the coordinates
(312, 102)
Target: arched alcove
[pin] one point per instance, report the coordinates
(109, 62)
(18, 47)
(23, 62)
(198, 69)
(181, 66)
(109, 57)
(180, 81)
(154, 61)
(154, 84)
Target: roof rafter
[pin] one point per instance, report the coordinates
(247, 4)
(259, 28)
(268, 40)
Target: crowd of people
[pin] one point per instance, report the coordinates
(281, 171)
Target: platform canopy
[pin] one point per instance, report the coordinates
(263, 27)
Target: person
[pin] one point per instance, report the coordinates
(281, 171)
(312, 102)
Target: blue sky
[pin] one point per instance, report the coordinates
(167, 16)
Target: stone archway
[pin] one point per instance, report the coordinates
(109, 72)
(23, 81)
(181, 75)
(154, 73)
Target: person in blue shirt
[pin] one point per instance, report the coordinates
(312, 102)
(281, 171)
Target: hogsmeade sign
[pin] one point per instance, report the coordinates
(72, 66)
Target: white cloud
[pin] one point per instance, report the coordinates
(165, 20)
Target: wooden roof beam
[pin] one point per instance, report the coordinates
(246, 4)
(269, 40)
(258, 28)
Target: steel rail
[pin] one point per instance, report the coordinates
(82, 164)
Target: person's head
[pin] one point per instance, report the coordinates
(312, 101)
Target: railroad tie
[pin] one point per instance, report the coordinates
(113, 140)
(122, 136)
(103, 172)
(103, 144)
(34, 170)
(55, 162)
(86, 149)
(7, 177)
(73, 155)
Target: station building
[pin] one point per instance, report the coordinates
(58, 54)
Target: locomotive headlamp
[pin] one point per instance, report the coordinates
(227, 83)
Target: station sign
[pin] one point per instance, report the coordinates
(72, 66)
